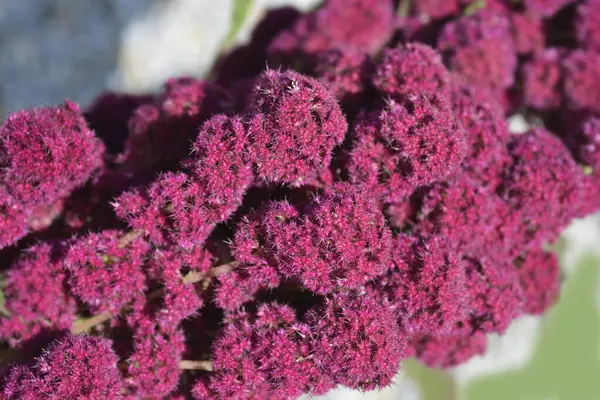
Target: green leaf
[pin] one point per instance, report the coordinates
(241, 9)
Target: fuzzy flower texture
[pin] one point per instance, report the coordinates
(276, 233)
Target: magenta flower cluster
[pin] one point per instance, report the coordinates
(295, 125)
(73, 367)
(341, 240)
(45, 154)
(406, 144)
(277, 232)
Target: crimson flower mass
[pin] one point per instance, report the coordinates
(283, 230)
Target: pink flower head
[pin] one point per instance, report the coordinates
(46, 153)
(486, 131)
(543, 186)
(75, 367)
(356, 340)
(546, 8)
(14, 221)
(341, 241)
(361, 25)
(18, 383)
(221, 163)
(265, 355)
(36, 296)
(436, 9)
(296, 125)
(104, 273)
(494, 295)
(527, 32)
(447, 351)
(582, 80)
(423, 131)
(80, 366)
(183, 96)
(542, 79)
(426, 285)
(249, 243)
(202, 391)
(180, 301)
(590, 202)
(481, 49)
(588, 24)
(348, 231)
(173, 210)
(461, 211)
(406, 145)
(343, 71)
(373, 165)
(589, 149)
(539, 273)
(154, 365)
(410, 69)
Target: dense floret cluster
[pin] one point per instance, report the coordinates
(527, 30)
(588, 24)
(344, 71)
(412, 68)
(105, 273)
(542, 185)
(424, 285)
(362, 25)
(406, 145)
(154, 364)
(74, 367)
(340, 241)
(45, 154)
(480, 48)
(35, 295)
(277, 232)
(542, 80)
(266, 354)
(356, 340)
(295, 125)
